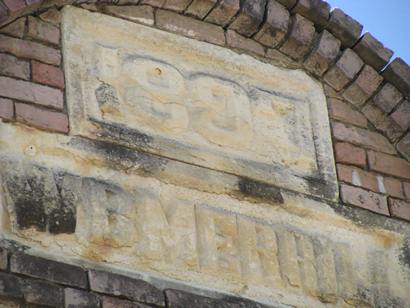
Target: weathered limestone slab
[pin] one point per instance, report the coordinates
(197, 103)
(298, 253)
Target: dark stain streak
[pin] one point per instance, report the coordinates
(260, 190)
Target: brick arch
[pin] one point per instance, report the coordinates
(368, 101)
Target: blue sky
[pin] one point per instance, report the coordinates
(387, 20)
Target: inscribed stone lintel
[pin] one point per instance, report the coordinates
(197, 103)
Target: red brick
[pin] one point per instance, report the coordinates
(30, 50)
(364, 199)
(275, 26)
(404, 146)
(398, 73)
(363, 87)
(6, 109)
(358, 177)
(300, 39)
(324, 52)
(41, 118)
(349, 154)
(47, 74)
(373, 52)
(406, 186)
(317, 11)
(288, 3)
(238, 41)
(344, 70)
(392, 186)
(388, 97)
(344, 27)
(342, 111)
(52, 16)
(43, 31)
(382, 122)
(402, 115)
(31, 92)
(399, 208)
(200, 8)
(223, 12)
(176, 5)
(190, 27)
(16, 28)
(15, 5)
(141, 13)
(14, 67)
(249, 18)
(388, 164)
(362, 137)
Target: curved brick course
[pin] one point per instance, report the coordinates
(368, 101)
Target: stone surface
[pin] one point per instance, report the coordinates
(140, 223)
(344, 70)
(404, 147)
(326, 49)
(13, 67)
(200, 8)
(406, 186)
(47, 74)
(317, 11)
(387, 97)
(74, 298)
(301, 36)
(43, 31)
(6, 109)
(124, 286)
(362, 137)
(42, 118)
(49, 270)
(344, 112)
(398, 73)
(10, 286)
(176, 298)
(344, 27)
(142, 13)
(258, 107)
(30, 50)
(365, 199)
(388, 164)
(42, 293)
(249, 18)
(31, 92)
(112, 302)
(373, 52)
(3, 259)
(363, 87)
(237, 41)
(402, 115)
(190, 27)
(275, 26)
(399, 208)
(223, 12)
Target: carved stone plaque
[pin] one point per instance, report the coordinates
(197, 103)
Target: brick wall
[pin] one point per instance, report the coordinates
(32, 281)
(368, 102)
